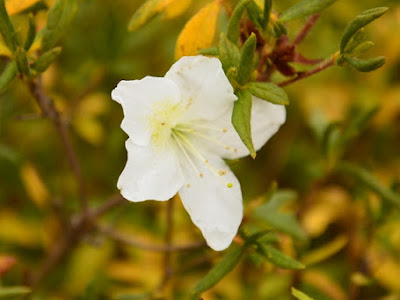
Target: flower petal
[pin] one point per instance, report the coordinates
(221, 137)
(149, 174)
(138, 98)
(203, 85)
(213, 207)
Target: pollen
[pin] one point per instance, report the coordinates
(221, 172)
(229, 185)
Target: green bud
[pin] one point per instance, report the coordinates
(8, 75)
(366, 65)
(246, 60)
(304, 8)
(278, 29)
(359, 37)
(30, 37)
(363, 47)
(229, 53)
(358, 22)
(22, 61)
(267, 12)
(255, 14)
(44, 61)
(7, 30)
(234, 22)
(213, 51)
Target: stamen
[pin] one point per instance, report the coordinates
(229, 185)
(224, 130)
(210, 139)
(188, 185)
(201, 175)
(175, 137)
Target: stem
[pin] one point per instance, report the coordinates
(305, 30)
(168, 242)
(316, 70)
(50, 111)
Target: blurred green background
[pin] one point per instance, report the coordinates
(353, 245)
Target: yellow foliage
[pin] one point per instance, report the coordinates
(325, 251)
(15, 6)
(199, 31)
(175, 8)
(327, 285)
(385, 269)
(34, 185)
(4, 51)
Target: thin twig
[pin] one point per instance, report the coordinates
(305, 30)
(116, 236)
(49, 110)
(318, 69)
(114, 201)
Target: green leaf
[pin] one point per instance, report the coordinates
(362, 47)
(358, 22)
(229, 53)
(279, 258)
(268, 91)
(369, 181)
(304, 8)
(15, 292)
(359, 37)
(8, 75)
(241, 119)
(7, 29)
(133, 296)
(30, 37)
(143, 14)
(255, 14)
(219, 271)
(284, 222)
(59, 18)
(300, 295)
(366, 65)
(246, 60)
(45, 60)
(267, 12)
(234, 22)
(22, 61)
(213, 51)
(278, 29)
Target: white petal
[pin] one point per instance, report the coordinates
(203, 85)
(213, 207)
(222, 138)
(137, 98)
(149, 174)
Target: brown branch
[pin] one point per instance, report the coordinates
(305, 30)
(50, 111)
(318, 69)
(118, 237)
(114, 201)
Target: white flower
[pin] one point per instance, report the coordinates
(180, 130)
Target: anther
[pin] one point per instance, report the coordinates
(227, 147)
(162, 123)
(235, 150)
(188, 185)
(201, 175)
(206, 161)
(221, 172)
(229, 185)
(224, 130)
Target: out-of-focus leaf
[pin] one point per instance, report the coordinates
(59, 18)
(246, 60)
(34, 185)
(213, 51)
(219, 271)
(174, 8)
(278, 29)
(15, 292)
(304, 8)
(362, 47)
(145, 12)
(255, 14)
(22, 61)
(268, 91)
(279, 258)
(327, 250)
(241, 119)
(8, 75)
(233, 30)
(359, 37)
(7, 29)
(30, 37)
(229, 53)
(324, 283)
(46, 59)
(369, 181)
(358, 22)
(199, 31)
(133, 296)
(285, 222)
(16, 6)
(6, 263)
(300, 295)
(366, 65)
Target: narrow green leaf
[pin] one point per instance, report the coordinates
(45, 60)
(229, 53)
(268, 91)
(234, 22)
(143, 14)
(213, 51)
(279, 258)
(357, 38)
(358, 22)
(362, 47)
(369, 181)
(30, 37)
(246, 60)
(22, 61)
(367, 65)
(59, 18)
(219, 271)
(300, 295)
(8, 75)
(241, 119)
(255, 14)
(304, 8)
(7, 29)
(133, 296)
(278, 29)
(267, 12)
(13, 292)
